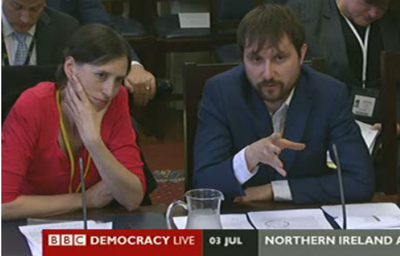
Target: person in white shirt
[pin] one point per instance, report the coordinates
(34, 34)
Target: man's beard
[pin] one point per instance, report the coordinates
(282, 91)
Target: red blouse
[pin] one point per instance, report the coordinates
(33, 162)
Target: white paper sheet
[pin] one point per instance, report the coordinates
(194, 20)
(290, 219)
(370, 222)
(366, 216)
(33, 233)
(228, 221)
(368, 135)
(363, 209)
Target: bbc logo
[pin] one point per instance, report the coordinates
(67, 240)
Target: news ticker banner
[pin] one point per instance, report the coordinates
(221, 242)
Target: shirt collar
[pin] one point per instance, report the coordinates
(286, 103)
(289, 98)
(8, 30)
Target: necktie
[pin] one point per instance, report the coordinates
(22, 50)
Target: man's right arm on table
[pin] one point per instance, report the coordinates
(246, 164)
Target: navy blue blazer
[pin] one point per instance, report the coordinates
(232, 116)
(53, 30)
(87, 11)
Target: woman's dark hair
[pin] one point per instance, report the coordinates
(94, 44)
(267, 24)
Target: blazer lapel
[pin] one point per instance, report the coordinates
(334, 43)
(55, 4)
(44, 39)
(261, 117)
(296, 121)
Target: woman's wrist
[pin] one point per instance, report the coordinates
(93, 143)
(77, 201)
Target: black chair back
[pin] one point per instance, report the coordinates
(16, 79)
(390, 63)
(195, 77)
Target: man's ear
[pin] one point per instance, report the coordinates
(303, 52)
(69, 66)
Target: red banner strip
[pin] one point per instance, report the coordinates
(122, 242)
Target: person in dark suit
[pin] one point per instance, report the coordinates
(329, 34)
(341, 30)
(44, 30)
(265, 126)
(139, 81)
(333, 31)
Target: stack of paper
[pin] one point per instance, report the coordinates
(290, 219)
(33, 233)
(366, 216)
(287, 219)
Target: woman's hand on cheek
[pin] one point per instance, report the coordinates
(87, 119)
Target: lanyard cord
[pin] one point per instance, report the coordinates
(69, 151)
(364, 48)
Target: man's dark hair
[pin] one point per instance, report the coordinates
(94, 44)
(267, 24)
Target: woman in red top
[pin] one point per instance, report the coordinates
(83, 116)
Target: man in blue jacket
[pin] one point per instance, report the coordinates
(265, 126)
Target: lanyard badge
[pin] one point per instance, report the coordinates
(365, 104)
